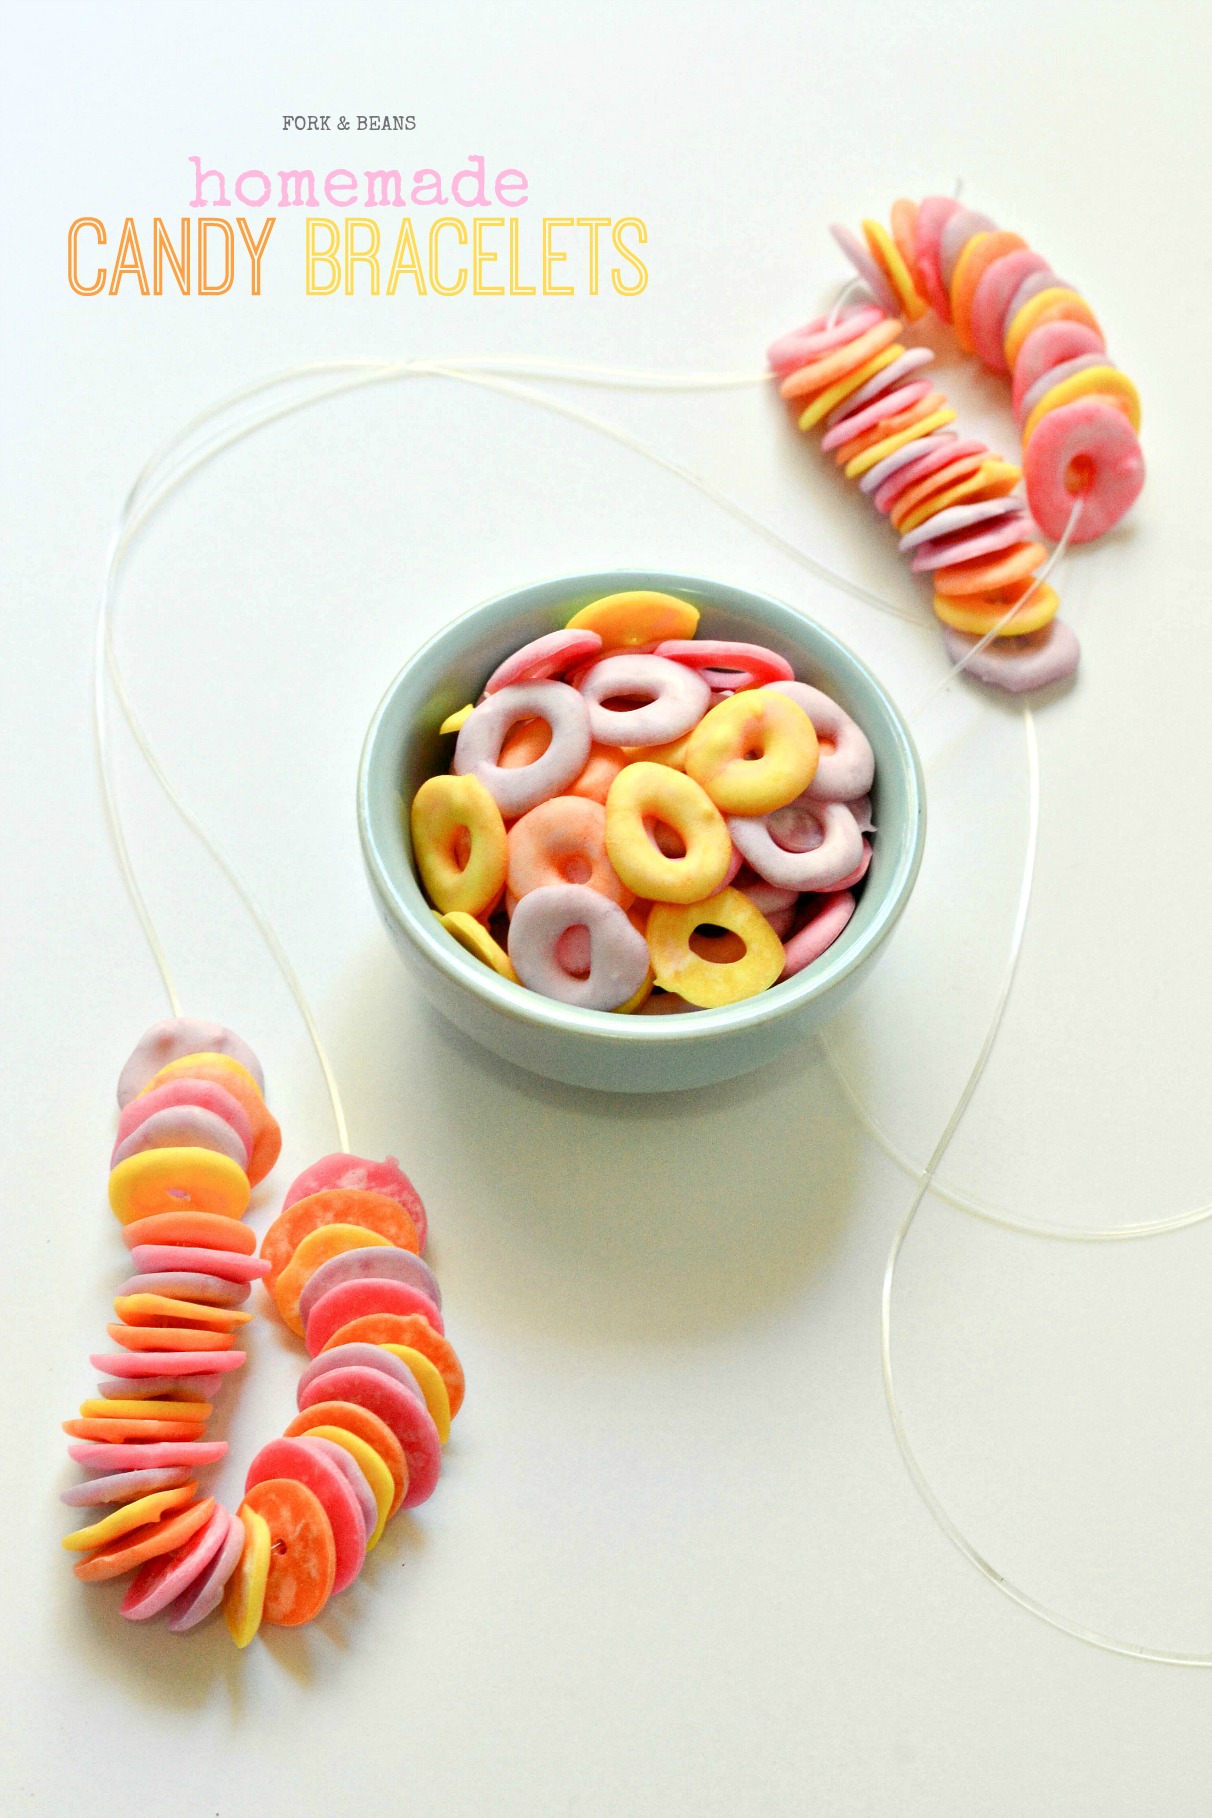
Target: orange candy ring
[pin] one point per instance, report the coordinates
(147, 1542)
(335, 1206)
(302, 1555)
(406, 1329)
(363, 1424)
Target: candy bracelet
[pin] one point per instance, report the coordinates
(343, 1264)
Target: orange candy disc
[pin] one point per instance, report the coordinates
(335, 1206)
(406, 1329)
(302, 1556)
(363, 1424)
(147, 1542)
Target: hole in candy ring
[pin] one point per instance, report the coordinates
(665, 838)
(1079, 475)
(575, 868)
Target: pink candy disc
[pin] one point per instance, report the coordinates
(518, 789)
(803, 345)
(172, 1040)
(618, 951)
(862, 420)
(819, 932)
(377, 1264)
(307, 1465)
(664, 700)
(364, 1356)
(1056, 375)
(854, 877)
(186, 1284)
(356, 1174)
(182, 1127)
(1085, 450)
(144, 1455)
(408, 1418)
(846, 767)
(544, 659)
(354, 1299)
(1050, 344)
(945, 552)
(940, 452)
(228, 1264)
(958, 517)
(200, 1092)
(957, 231)
(205, 1593)
(884, 381)
(354, 1476)
(156, 1584)
(909, 452)
(1019, 665)
(867, 269)
(808, 845)
(933, 214)
(167, 1363)
(1031, 287)
(124, 1486)
(750, 665)
(987, 316)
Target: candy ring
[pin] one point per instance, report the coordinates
(458, 839)
(625, 620)
(647, 795)
(1018, 664)
(672, 698)
(479, 743)
(618, 962)
(182, 1126)
(820, 931)
(805, 846)
(750, 753)
(544, 659)
(846, 768)
(166, 1180)
(1082, 451)
(170, 1041)
(729, 663)
(475, 939)
(980, 616)
(563, 841)
(705, 982)
(203, 1094)
(221, 1070)
(1048, 347)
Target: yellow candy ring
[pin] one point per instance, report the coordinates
(475, 938)
(978, 617)
(704, 982)
(645, 794)
(458, 839)
(1096, 381)
(178, 1180)
(624, 620)
(244, 1597)
(752, 754)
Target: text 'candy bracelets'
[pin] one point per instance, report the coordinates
(953, 501)
(343, 1264)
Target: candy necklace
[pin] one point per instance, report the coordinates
(210, 433)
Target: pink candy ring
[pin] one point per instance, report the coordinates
(808, 845)
(129, 1455)
(674, 699)
(1049, 345)
(913, 451)
(818, 933)
(618, 963)
(205, 1593)
(544, 659)
(878, 387)
(365, 1356)
(885, 406)
(957, 231)
(987, 316)
(812, 342)
(204, 1094)
(408, 1418)
(227, 1263)
(746, 665)
(356, 1173)
(351, 1300)
(376, 1264)
(967, 545)
(941, 452)
(1056, 375)
(182, 1127)
(1021, 664)
(292, 1458)
(172, 1040)
(933, 214)
(1085, 450)
(159, 1582)
(563, 841)
(481, 736)
(846, 771)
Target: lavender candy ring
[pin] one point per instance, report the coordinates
(867, 270)
(955, 236)
(618, 952)
(958, 517)
(182, 1127)
(544, 659)
(156, 1388)
(188, 1284)
(1021, 664)
(376, 1264)
(675, 698)
(802, 345)
(205, 1593)
(945, 552)
(1056, 375)
(847, 771)
(882, 383)
(883, 470)
(808, 845)
(172, 1040)
(372, 1357)
(171, 1577)
(482, 734)
(124, 1486)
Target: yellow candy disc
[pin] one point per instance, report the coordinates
(992, 480)
(637, 997)
(382, 1488)
(979, 617)
(840, 390)
(474, 936)
(1074, 309)
(178, 1180)
(639, 617)
(644, 794)
(244, 1597)
(318, 1247)
(752, 753)
(130, 1516)
(887, 255)
(433, 1388)
(705, 982)
(458, 841)
(871, 457)
(1104, 381)
(454, 722)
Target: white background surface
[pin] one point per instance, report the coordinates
(674, 1565)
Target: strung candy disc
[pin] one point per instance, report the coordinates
(182, 1035)
(147, 1542)
(370, 1463)
(302, 1556)
(335, 1206)
(356, 1172)
(168, 1180)
(205, 1593)
(244, 1596)
(131, 1515)
(364, 1424)
(407, 1329)
(157, 1583)
(220, 1070)
(429, 1380)
(408, 1418)
(351, 1299)
(290, 1458)
(123, 1486)
(314, 1252)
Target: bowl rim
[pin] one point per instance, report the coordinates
(426, 934)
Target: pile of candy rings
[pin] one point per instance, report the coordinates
(639, 821)
(954, 503)
(342, 1262)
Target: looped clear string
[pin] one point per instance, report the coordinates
(244, 412)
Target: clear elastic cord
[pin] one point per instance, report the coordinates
(298, 388)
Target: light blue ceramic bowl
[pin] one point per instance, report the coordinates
(592, 1047)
